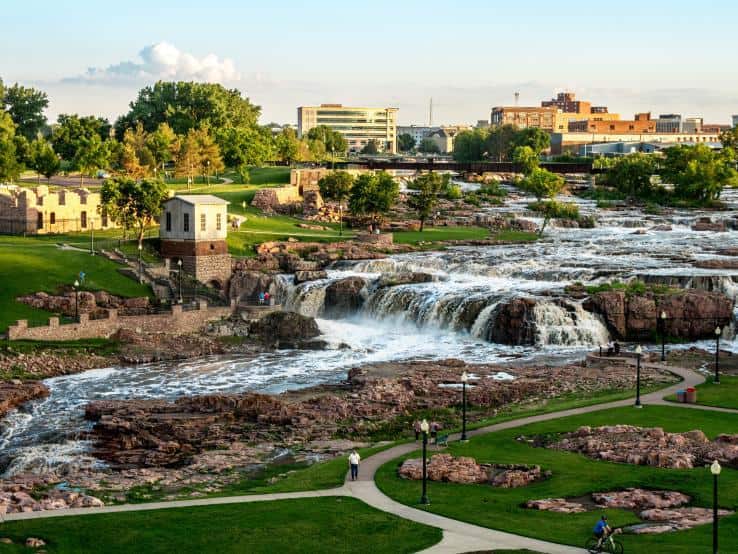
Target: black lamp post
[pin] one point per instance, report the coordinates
(715, 470)
(464, 379)
(638, 352)
(75, 287)
(179, 263)
(662, 323)
(140, 270)
(424, 427)
(718, 332)
(92, 237)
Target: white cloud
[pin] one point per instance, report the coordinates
(163, 61)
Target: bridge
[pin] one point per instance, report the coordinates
(464, 167)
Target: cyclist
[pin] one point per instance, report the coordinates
(602, 530)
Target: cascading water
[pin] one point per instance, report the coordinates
(575, 326)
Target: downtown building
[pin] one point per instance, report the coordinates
(358, 125)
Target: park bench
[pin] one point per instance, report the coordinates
(442, 440)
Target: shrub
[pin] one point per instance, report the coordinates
(555, 210)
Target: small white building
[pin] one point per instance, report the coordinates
(193, 228)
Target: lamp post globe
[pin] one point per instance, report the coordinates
(715, 469)
(464, 380)
(76, 300)
(638, 353)
(662, 320)
(718, 332)
(140, 270)
(425, 427)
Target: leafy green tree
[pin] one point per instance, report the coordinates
(188, 105)
(337, 186)
(470, 146)
(71, 130)
(210, 159)
(697, 172)
(333, 140)
(132, 203)
(405, 142)
(373, 195)
(187, 160)
(317, 150)
(160, 143)
(499, 142)
(9, 166)
(541, 183)
(246, 146)
(632, 174)
(429, 146)
(288, 145)
(44, 160)
(92, 154)
(526, 159)
(429, 187)
(729, 139)
(537, 139)
(26, 107)
(371, 148)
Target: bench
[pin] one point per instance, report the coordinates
(442, 440)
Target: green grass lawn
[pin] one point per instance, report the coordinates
(331, 524)
(438, 234)
(723, 395)
(29, 265)
(575, 475)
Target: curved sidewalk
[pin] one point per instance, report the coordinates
(458, 537)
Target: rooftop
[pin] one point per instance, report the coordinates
(201, 199)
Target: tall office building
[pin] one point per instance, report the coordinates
(735, 121)
(357, 125)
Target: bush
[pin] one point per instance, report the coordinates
(492, 189)
(555, 210)
(454, 192)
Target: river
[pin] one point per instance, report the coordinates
(449, 317)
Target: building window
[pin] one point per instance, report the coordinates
(83, 219)
(218, 221)
(52, 218)
(186, 223)
(203, 223)
(40, 221)
(169, 221)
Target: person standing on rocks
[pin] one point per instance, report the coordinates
(261, 298)
(354, 460)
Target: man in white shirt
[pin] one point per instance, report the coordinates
(354, 460)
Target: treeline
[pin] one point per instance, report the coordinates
(498, 143)
(188, 128)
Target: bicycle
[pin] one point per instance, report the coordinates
(608, 545)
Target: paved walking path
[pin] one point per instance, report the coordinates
(458, 537)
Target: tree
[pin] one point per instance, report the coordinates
(209, 152)
(632, 174)
(245, 146)
(161, 144)
(92, 155)
(424, 201)
(44, 160)
(470, 146)
(405, 142)
(187, 156)
(499, 142)
(729, 139)
(537, 139)
(132, 203)
(371, 148)
(333, 140)
(373, 195)
(698, 173)
(542, 184)
(317, 150)
(9, 166)
(337, 186)
(26, 107)
(429, 146)
(526, 159)
(136, 158)
(288, 145)
(71, 130)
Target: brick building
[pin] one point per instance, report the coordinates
(193, 228)
(567, 103)
(39, 211)
(641, 124)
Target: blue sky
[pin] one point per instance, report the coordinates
(470, 55)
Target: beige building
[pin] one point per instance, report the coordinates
(39, 211)
(193, 228)
(523, 117)
(358, 125)
(572, 142)
(445, 137)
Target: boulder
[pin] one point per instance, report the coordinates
(344, 297)
(246, 285)
(514, 322)
(410, 278)
(304, 276)
(285, 326)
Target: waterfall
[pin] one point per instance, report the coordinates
(567, 326)
(307, 299)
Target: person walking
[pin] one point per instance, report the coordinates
(354, 460)
(416, 428)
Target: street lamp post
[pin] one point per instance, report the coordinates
(208, 171)
(638, 352)
(424, 427)
(464, 379)
(715, 470)
(92, 237)
(76, 300)
(140, 270)
(179, 263)
(662, 321)
(718, 332)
